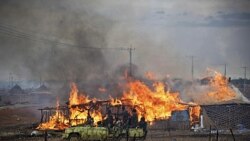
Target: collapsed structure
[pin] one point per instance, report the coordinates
(154, 103)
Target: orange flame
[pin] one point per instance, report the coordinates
(56, 122)
(115, 101)
(79, 115)
(220, 89)
(152, 104)
(194, 114)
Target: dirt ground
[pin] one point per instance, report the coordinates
(173, 138)
(11, 116)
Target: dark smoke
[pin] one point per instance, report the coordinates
(49, 61)
(162, 39)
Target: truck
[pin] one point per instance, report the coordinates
(104, 131)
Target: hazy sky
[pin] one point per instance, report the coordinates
(163, 32)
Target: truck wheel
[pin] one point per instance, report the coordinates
(74, 137)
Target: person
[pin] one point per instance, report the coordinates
(143, 124)
(125, 116)
(134, 119)
(110, 119)
(90, 120)
(117, 122)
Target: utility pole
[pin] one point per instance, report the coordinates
(225, 70)
(130, 50)
(192, 65)
(40, 80)
(245, 77)
(11, 79)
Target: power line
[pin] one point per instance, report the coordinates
(12, 31)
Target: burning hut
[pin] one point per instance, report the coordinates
(228, 109)
(161, 108)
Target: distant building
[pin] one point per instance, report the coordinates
(16, 90)
(42, 88)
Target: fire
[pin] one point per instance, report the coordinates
(194, 114)
(79, 114)
(152, 104)
(76, 99)
(220, 89)
(115, 101)
(56, 122)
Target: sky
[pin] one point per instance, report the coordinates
(48, 38)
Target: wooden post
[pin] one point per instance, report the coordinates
(217, 135)
(210, 133)
(127, 135)
(134, 138)
(232, 134)
(41, 115)
(45, 135)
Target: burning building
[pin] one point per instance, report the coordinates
(152, 104)
(161, 107)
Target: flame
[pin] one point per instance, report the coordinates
(220, 89)
(56, 122)
(74, 98)
(152, 104)
(78, 114)
(194, 114)
(115, 101)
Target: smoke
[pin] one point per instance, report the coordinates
(163, 34)
(199, 91)
(31, 60)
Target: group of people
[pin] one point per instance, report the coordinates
(125, 120)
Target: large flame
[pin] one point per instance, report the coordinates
(220, 89)
(56, 122)
(78, 114)
(150, 101)
(153, 104)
